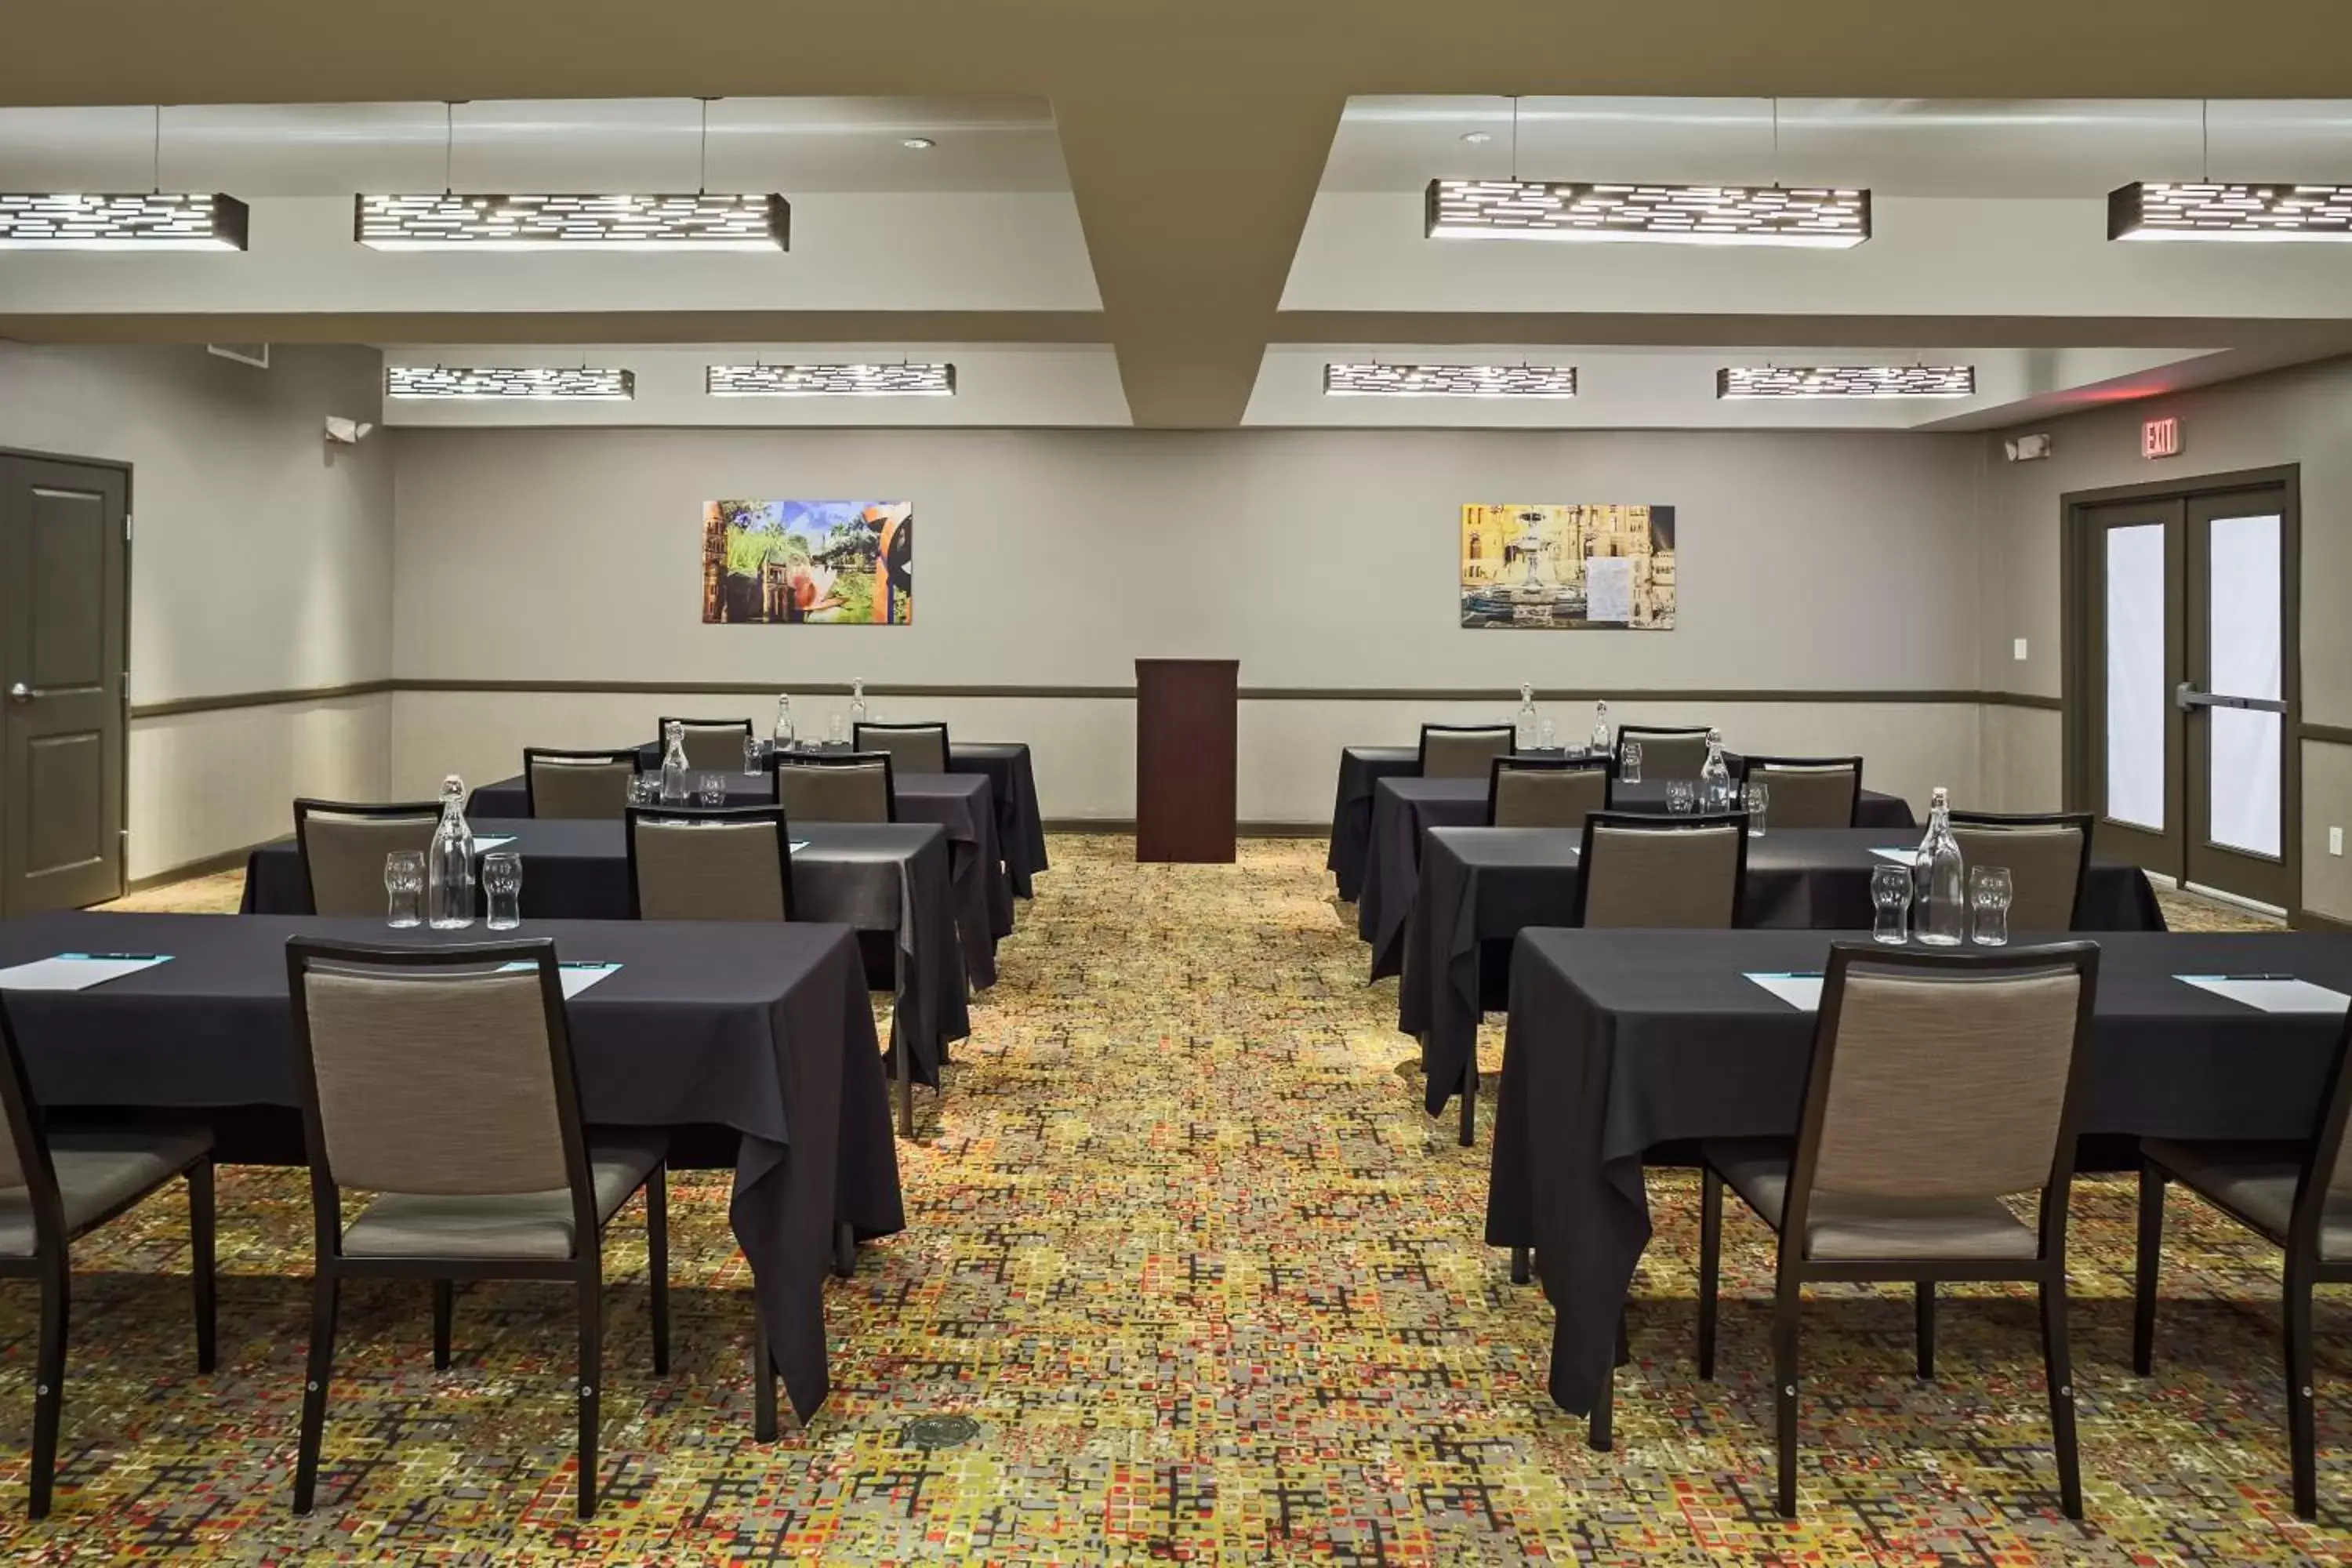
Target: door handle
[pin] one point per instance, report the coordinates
(20, 693)
(2188, 698)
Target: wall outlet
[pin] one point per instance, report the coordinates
(2335, 841)
(2017, 650)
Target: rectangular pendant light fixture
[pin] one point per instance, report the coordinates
(1449, 381)
(1846, 381)
(830, 381)
(1680, 214)
(161, 220)
(671, 224)
(2210, 210)
(593, 384)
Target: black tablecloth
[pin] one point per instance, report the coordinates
(881, 877)
(1480, 886)
(762, 1029)
(1622, 1040)
(1404, 808)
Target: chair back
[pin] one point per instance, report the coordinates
(343, 846)
(912, 748)
(1661, 872)
(1668, 752)
(2049, 860)
(25, 1164)
(1545, 792)
(712, 745)
(1806, 792)
(714, 864)
(439, 1071)
(2326, 1173)
(1463, 750)
(591, 784)
(1940, 1077)
(838, 787)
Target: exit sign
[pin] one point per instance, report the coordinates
(2160, 437)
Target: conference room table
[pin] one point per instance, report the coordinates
(1622, 1040)
(883, 878)
(1480, 886)
(980, 888)
(1405, 807)
(763, 1031)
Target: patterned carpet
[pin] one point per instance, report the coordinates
(1209, 1284)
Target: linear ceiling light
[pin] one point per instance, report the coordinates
(161, 220)
(830, 381)
(2207, 209)
(1846, 381)
(1449, 381)
(503, 383)
(1683, 214)
(670, 224)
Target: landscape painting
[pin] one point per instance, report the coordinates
(1568, 568)
(812, 563)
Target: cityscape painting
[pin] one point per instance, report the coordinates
(1568, 568)
(814, 562)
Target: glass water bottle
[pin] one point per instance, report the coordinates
(1940, 916)
(676, 784)
(1598, 741)
(1715, 790)
(449, 868)
(783, 736)
(1526, 727)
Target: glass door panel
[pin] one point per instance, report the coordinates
(2242, 636)
(2137, 691)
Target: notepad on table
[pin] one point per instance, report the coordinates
(1900, 857)
(484, 845)
(1801, 991)
(77, 971)
(799, 844)
(2271, 993)
(574, 977)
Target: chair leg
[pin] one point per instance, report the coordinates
(1624, 1343)
(1923, 1311)
(1710, 1264)
(2302, 1440)
(591, 1375)
(445, 1311)
(49, 1383)
(658, 1262)
(2057, 1366)
(2151, 1249)
(1784, 1391)
(844, 1249)
(1522, 1265)
(1601, 1426)
(314, 1389)
(905, 1064)
(200, 1270)
(1470, 1101)
(763, 1380)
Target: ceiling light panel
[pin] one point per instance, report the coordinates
(161, 220)
(458, 221)
(503, 384)
(1846, 381)
(1686, 215)
(830, 381)
(1449, 381)
(2214, 211)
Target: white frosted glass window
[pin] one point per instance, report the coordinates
(2243, 636)
(2136, 692)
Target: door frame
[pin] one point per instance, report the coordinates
(130, 565)
(2078, 570)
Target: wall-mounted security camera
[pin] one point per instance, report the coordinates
(2027, 449)
(346, 432)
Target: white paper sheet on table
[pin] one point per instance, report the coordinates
(2271, 993)
(77, 971)
(799, 844)
(1900, 857)
(1803, 992)
(484, 845)
(574, 977)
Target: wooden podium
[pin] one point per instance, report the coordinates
(1185, 720)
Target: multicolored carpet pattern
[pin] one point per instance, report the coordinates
(1186, 1249)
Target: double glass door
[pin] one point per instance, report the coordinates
(2192, 687)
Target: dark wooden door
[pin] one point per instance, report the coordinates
(64, 572)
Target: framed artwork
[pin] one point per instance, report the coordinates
(809, 563)
(1568, 568)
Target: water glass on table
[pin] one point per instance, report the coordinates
(645, 789)
(755, 755)
(711, 790)
(403, 886)
(1989, 893)
(1890, 896)
(1755, 798)
(1629, 764)
(837, 729)
(1680, 795)
(502, 880)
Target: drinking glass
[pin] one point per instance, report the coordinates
(837, 729)
(1549, 739)
(403, 886)
(1989, 896)
(1680, 795)
(755, 755)
(1755, 798)
(1890, 894)
(1629, 764)
(645, 789)
(712, 789)
(502, 880)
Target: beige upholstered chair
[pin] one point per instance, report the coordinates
(343, 846)
(441, 1083)
(1665, 872)
(912, 748)
(591, 784)
(1463, 750)
(2049, 860)
(723, 864)
(55, 1188)
(837, 786)
(712, 745)
(1545, 792)
(2298, 1196)
(1667, 751)
(1943, 1086)
(1806, 792)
